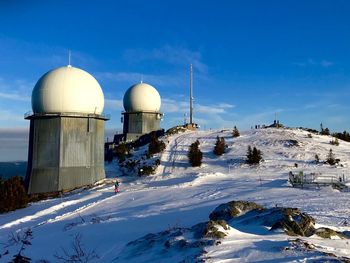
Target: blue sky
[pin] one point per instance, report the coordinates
(251, 59)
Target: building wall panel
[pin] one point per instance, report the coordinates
(43, 180)
(75, 143)
(67, 152)
(139, 123)
(46, 142)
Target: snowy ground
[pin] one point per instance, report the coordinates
(182, 196)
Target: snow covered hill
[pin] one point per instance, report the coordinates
(179, 197)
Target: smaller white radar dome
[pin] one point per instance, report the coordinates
(67, 90)
(141, 97)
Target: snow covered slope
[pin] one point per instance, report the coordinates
(180, 196)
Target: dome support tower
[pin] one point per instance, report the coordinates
(66, 137)
(142, 111)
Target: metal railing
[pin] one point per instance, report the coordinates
(68, 114)
(28, 113)
(318, 179)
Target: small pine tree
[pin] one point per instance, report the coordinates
(334, 142)
(254, 156)
(330, 158)
(220, 146)
(249, 154)
(317, 158)
(235, 132)
(345, 136)
(155, 145)
(121, 151)
(325, 131)
(195, 155)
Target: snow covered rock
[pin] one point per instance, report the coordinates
(211, 229)
(233, 209)
(173, 245)
(291, 220)
(326, 232)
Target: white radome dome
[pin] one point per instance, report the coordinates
(67, 90)
(141, 97)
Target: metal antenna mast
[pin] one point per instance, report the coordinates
(69, 58)
(191, 97)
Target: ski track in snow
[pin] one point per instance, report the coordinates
(181, 195)
(61, 211)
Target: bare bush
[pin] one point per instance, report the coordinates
(21, 239)
(77, 253)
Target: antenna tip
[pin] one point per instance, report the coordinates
(69, 59)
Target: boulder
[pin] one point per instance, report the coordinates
(233, 209)
(210, 229)
(291, 220)
(325, 232)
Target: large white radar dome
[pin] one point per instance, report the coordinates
(67, 90)
(141, 97)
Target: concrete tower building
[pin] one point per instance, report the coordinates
(66, 139)
(142, 111)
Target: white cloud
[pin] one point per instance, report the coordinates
(208, 109)
(226, 106)
(17, 89)
(311, 62)
(333, 120)
(120, 76)
(215, 122)
(311, 106)
(135, 77)
(181, 106)
(171, 105)
(6, 115)
(21, 132)
(14, 96)
(169, 54)
(247, 120)
(326, 63)
(114, 104)
(47, 56)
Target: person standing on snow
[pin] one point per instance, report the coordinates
(116, 187)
